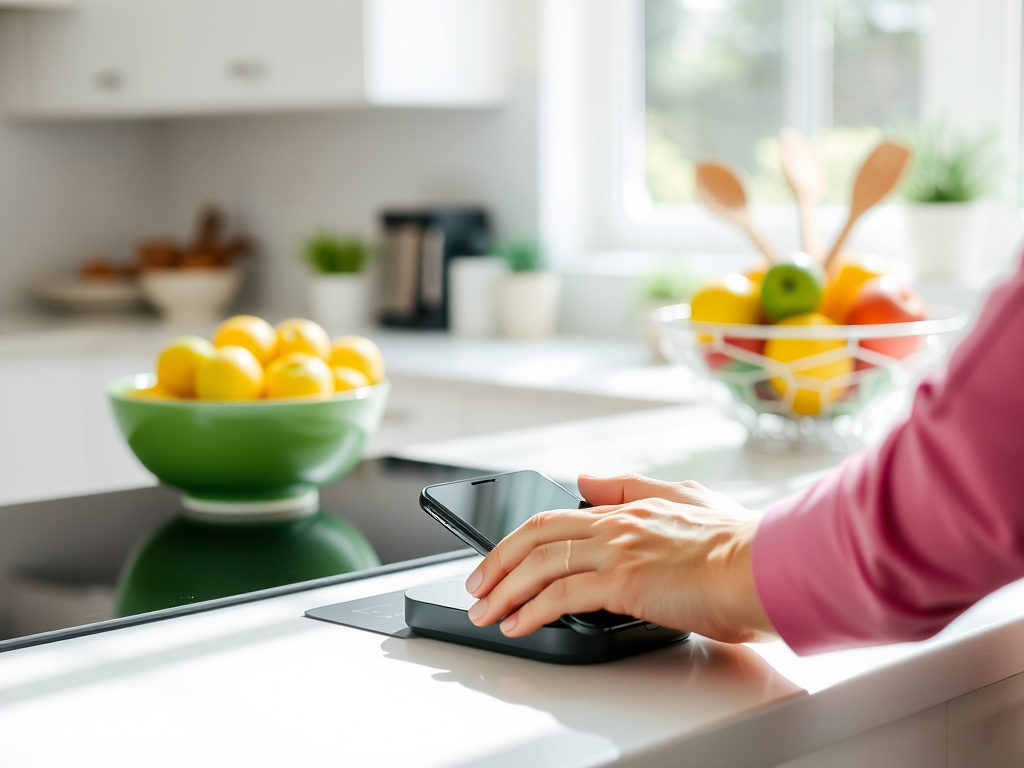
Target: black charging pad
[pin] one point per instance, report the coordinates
(439, 610)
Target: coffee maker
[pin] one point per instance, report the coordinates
(418, 245)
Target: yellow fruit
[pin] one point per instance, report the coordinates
(727, 299)
(253, 333)
(360, 353)
(297, 335)
(845, 279)
(178, 362)
(348, 378)
(807, 401)
(156, 392)
(299, 375)
(233, 373)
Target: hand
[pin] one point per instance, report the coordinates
(674, 554)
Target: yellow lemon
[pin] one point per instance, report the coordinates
(253, 333)
(178, 362)
(233, 373)
(156, 392)
(346, 378)
(807, 401)
(727, 299)
(360, 353)
(299, 375)
(845, 279)
(298, 335)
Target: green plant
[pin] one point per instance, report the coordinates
(330, 254)
(670, 285)
(522, 255)
(949, 167)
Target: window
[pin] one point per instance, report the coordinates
(721, 77)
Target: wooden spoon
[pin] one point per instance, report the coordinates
(880, 173)
(807, 180)
(721, 190)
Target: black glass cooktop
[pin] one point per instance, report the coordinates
(60, 560)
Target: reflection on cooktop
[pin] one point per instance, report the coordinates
(60, 560)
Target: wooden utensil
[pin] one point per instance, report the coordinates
(878, 176)
(807, 180)
(721, 190)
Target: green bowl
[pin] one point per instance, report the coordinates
(247, 450)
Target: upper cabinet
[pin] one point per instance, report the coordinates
(144, 58)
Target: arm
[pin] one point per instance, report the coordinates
(901, 540)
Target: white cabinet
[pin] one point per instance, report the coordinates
(110, 58)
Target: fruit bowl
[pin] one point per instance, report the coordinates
(849, 383)
(251, 450)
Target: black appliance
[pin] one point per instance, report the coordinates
(414, 271)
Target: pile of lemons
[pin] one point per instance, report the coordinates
(250, 359)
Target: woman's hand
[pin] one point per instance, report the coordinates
(674, 554)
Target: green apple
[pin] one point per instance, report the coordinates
(794, 286)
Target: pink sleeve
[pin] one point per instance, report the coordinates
(901, 540)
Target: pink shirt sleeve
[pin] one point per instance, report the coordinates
(902, 539)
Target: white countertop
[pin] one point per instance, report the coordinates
(259, 684)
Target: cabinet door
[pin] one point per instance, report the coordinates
(86, 60)
(232, 54)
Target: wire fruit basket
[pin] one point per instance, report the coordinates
(809, 388)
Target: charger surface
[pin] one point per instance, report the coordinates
(439, 610)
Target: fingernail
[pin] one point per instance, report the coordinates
(585, 476)
(510, 623)
(478, 610)
(473, 582)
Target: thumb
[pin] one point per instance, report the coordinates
(622, 489)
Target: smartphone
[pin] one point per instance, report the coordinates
(483, 510)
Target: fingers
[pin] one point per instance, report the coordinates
(622, 489)
(544, 565)
(578, 593)
(545, 528)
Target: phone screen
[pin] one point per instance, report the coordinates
(496, 506)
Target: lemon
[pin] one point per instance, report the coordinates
(346, 378)
(299, 375)
(253, 333)
(727, 299)
(360, 353)
(298, 335)
(155, 392)
(233, 373)
(178, 362)
(807, 402)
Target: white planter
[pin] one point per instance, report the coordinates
(339, 302)
(945, 238)
(528, 304)
(190, 296)
(473, 295)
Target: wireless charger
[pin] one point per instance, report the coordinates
(439, 610)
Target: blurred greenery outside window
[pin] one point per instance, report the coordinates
(723, 76)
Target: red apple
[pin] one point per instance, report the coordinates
(716, 360)
(887, 300)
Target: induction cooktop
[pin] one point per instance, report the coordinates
(74, 549)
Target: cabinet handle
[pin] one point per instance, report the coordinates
(109, 80)
(247, 69)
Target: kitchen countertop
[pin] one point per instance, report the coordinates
(259, 684)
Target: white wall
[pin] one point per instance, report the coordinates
(69, 191)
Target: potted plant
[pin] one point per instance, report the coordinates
(528, 297)
(338, 289)
(950, 176)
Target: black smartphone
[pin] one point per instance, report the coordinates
(483, 510)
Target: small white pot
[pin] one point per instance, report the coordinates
(945, 238)
(473, 295)
(190, 296)
(528, 304)
(339, 302)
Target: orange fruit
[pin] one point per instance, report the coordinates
(807, 400)
(233, 373)
(178, 362)
(253, 333)
(845, 279)
(155, 392)
(298, 335)
(299, 375)
(346, 378)
(360, 353)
